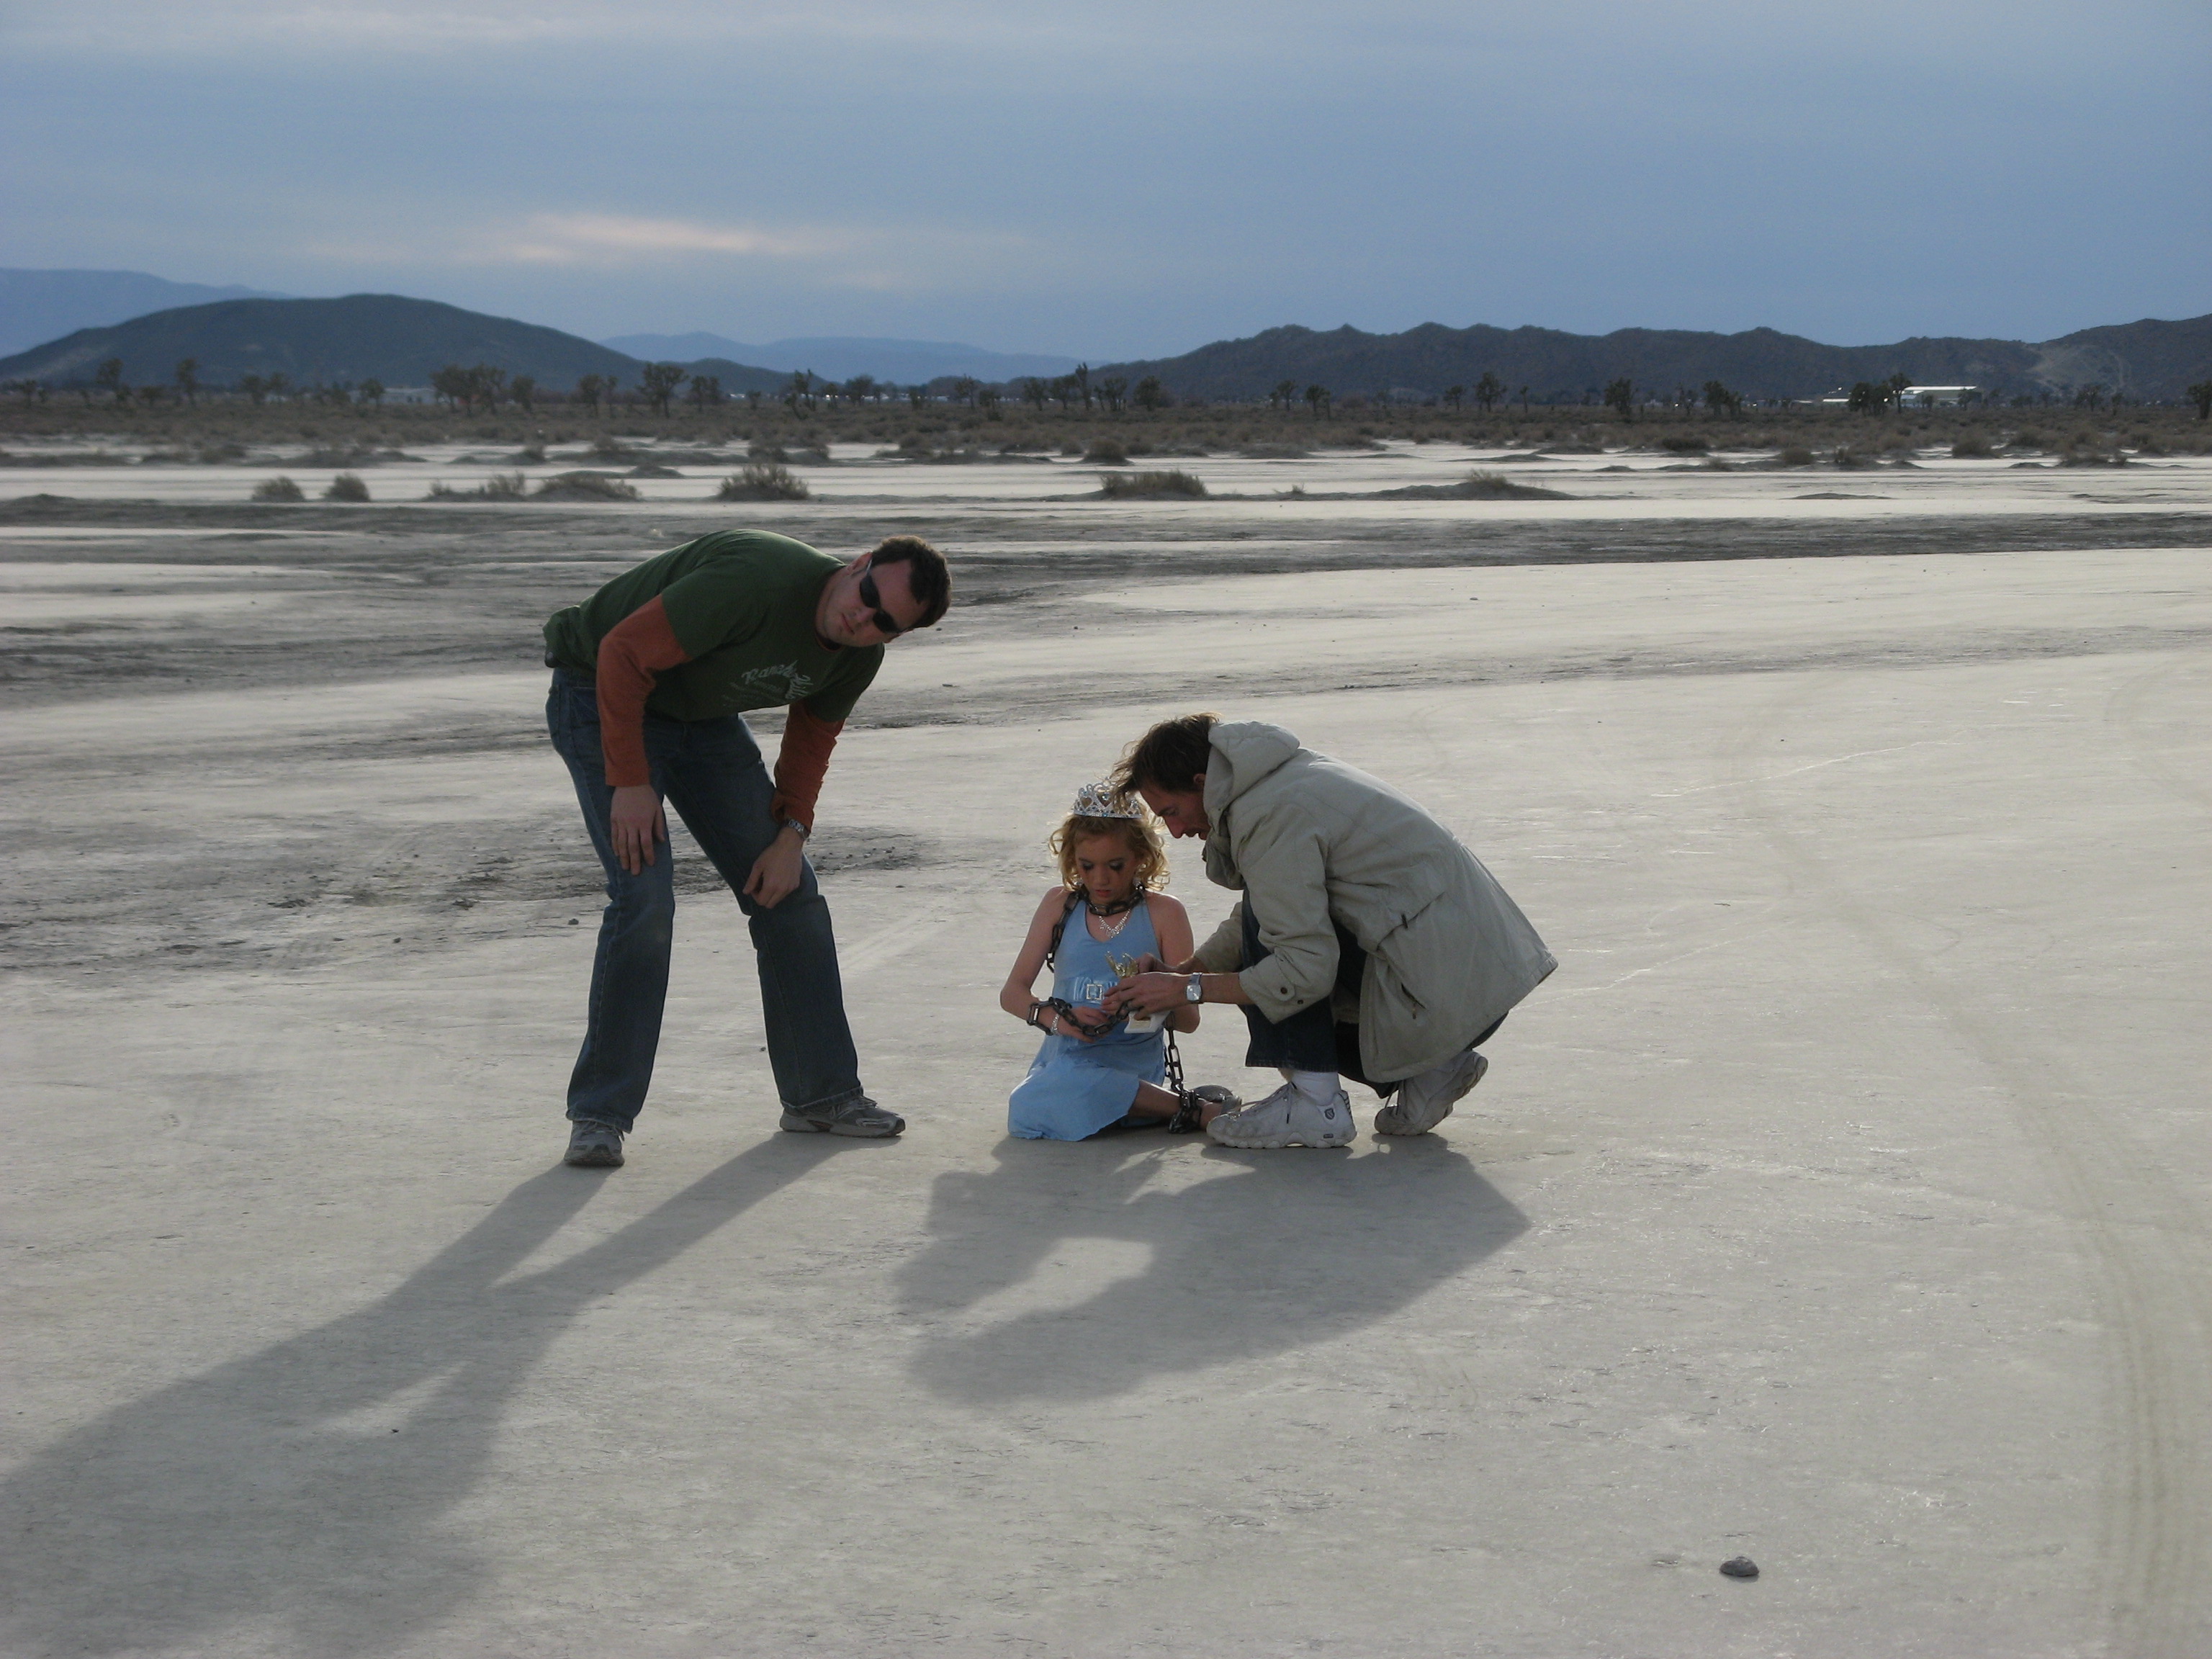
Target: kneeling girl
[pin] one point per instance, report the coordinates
(1093, 1074)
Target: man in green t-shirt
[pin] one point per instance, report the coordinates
(652, 677)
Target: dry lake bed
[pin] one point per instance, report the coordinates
(1842, 1202)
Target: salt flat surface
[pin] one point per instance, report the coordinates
(1842, 1201)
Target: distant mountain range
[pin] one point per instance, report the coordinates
(2148, 359)
(399, 341)
(36, 306)
(839, 356)
(403, 342)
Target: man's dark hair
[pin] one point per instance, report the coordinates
(1170, 757)
(927, 576)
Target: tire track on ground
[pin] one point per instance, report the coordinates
(2143, 1235)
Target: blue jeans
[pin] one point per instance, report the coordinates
(711, 773)
(1312, 1039)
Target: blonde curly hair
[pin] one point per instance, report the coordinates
(1137, 833)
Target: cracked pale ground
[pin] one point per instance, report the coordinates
(1841, 1201)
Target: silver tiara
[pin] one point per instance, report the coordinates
(1099, 800)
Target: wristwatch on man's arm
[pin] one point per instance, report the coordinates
(802, 829)
(1193, 989)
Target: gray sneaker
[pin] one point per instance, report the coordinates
(861, 1117)
(1424, 1102)
(593, 1144)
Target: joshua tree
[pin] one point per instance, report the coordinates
(917, 396)
(1488, 390)
(799, 392)
(1036, 392)
(280, 385)
(1721, 401)
(524, 390)
(108, 378)
(255, 387)
(371, 391)
(659, 383)
(188, 380)
(1149, 395)
(1284, 395)
(32, 390)
(1318, 399)
(2201, 395)
(1620, 395)
(591, 388)
(1524, 399)
(861, 388)
(988, 397)
(1453, 394)
(706, 390)
(1114, 392)
(1082, 379)
(964, 389)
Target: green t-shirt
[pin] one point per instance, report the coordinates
(741, 602)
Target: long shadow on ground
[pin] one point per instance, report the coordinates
(1276, 1251)
(244, 1494)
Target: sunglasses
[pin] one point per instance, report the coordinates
(873, 598)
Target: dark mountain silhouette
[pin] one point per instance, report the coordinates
(399, 341)
(839, 357)
(45, 305)
(2145, 360)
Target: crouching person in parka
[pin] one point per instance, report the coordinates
(1370, 944)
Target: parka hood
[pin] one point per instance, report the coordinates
(1244, 752)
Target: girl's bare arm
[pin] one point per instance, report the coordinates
(1020, 988)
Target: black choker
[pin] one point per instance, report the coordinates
(1136, 897)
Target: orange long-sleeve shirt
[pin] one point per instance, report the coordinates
(642, 644)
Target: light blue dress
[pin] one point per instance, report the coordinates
(1075, 1088)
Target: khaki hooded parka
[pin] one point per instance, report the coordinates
(1315, 844)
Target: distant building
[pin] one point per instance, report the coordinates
(1914, 397)
(408, 394)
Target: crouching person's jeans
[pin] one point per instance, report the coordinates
(1313, 1039)
(710, 772)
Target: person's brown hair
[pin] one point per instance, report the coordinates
(1168, 757)
(927, 576)
(1137, 834)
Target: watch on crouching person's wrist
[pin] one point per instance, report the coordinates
(1193, 988)
(802, 831)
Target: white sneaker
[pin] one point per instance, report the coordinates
(1424, 1102)
(1286, 1118)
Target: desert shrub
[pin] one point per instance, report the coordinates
(1683, 445)
(347, 486)
(575, 487)
(278, 489)
(1105, 452)
(1173, 481)
(1973, 446)
(500, 487)
(1851, 458)
(1072, 451)
(2028, 438)
(768, 481)
(1497, 486)
(1794, 455)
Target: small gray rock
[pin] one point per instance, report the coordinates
(1740, 1566)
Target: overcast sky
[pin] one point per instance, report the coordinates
(1121, 178)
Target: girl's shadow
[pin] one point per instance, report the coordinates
(1275, 1251)
(310, 1484)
